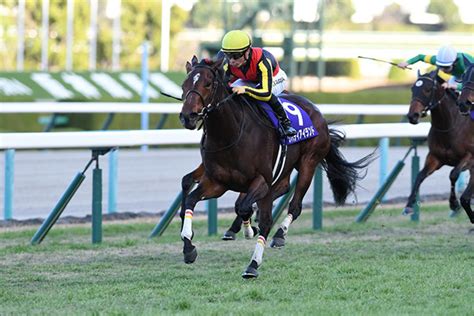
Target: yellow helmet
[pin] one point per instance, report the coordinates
(235, 41)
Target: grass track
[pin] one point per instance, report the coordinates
(388, 266)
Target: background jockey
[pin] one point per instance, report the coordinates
(255, 72)
(449, 62)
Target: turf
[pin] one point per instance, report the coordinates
(387, 266)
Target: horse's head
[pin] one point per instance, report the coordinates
(199, 90)
(466, 99)
(426, 93)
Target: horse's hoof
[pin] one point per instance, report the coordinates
(407, 211)
(454, 213)
(470, 231)
(190, 257)
(277, 242)
(228, 235)
(251, 271)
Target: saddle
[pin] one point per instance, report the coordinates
(300, 120)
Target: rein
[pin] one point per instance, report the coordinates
(212, 106)
(433, 104)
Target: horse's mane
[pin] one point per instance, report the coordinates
(211, 62)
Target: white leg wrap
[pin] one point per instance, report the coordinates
(187, 231)
(286, 223)
(259, 248)
(248, 231)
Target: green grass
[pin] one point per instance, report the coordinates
(387, 266)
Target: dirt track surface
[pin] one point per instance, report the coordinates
(149, 181)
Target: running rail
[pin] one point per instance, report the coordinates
(134, 138)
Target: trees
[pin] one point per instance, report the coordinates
(140, 20)
(447, 10)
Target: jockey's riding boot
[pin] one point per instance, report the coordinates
(281, 115)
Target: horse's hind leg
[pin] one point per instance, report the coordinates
(305, 176)
(205, 190)
(467, 195)
(280, 188)
(249, 230)
(431, 164)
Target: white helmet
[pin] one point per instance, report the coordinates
(446, 56)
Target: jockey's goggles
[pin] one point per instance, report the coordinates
(235, 56)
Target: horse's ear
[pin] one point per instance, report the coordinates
(418, 73)
(467, 62)
(188, 67)
(194, 60)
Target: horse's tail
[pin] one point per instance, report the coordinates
(343, 175)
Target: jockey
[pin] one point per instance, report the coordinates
(450, 62)
(255, 72)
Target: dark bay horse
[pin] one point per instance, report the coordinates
(466, 99)
(450, 139)
(239, 149)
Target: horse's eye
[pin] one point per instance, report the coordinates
(208, 85)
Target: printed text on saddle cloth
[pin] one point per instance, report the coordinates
(300, 121)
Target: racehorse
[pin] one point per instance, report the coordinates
(239, 149)
(466, 99)
(450, 139)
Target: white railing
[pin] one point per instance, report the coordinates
(178, 136)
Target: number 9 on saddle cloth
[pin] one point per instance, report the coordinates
(300, 120)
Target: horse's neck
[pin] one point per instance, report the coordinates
(225, 124)
(443, 116)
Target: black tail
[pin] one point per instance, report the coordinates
(343, 175)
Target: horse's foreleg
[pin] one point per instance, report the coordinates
(188, 180)
(467, 195)
(257, 190)
(265, 224)
(431, 164)
(205, 190)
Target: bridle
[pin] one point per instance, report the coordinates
(430, 101)
(212, 105)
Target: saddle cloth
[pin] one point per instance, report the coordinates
(472, 115)
(300, 121)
